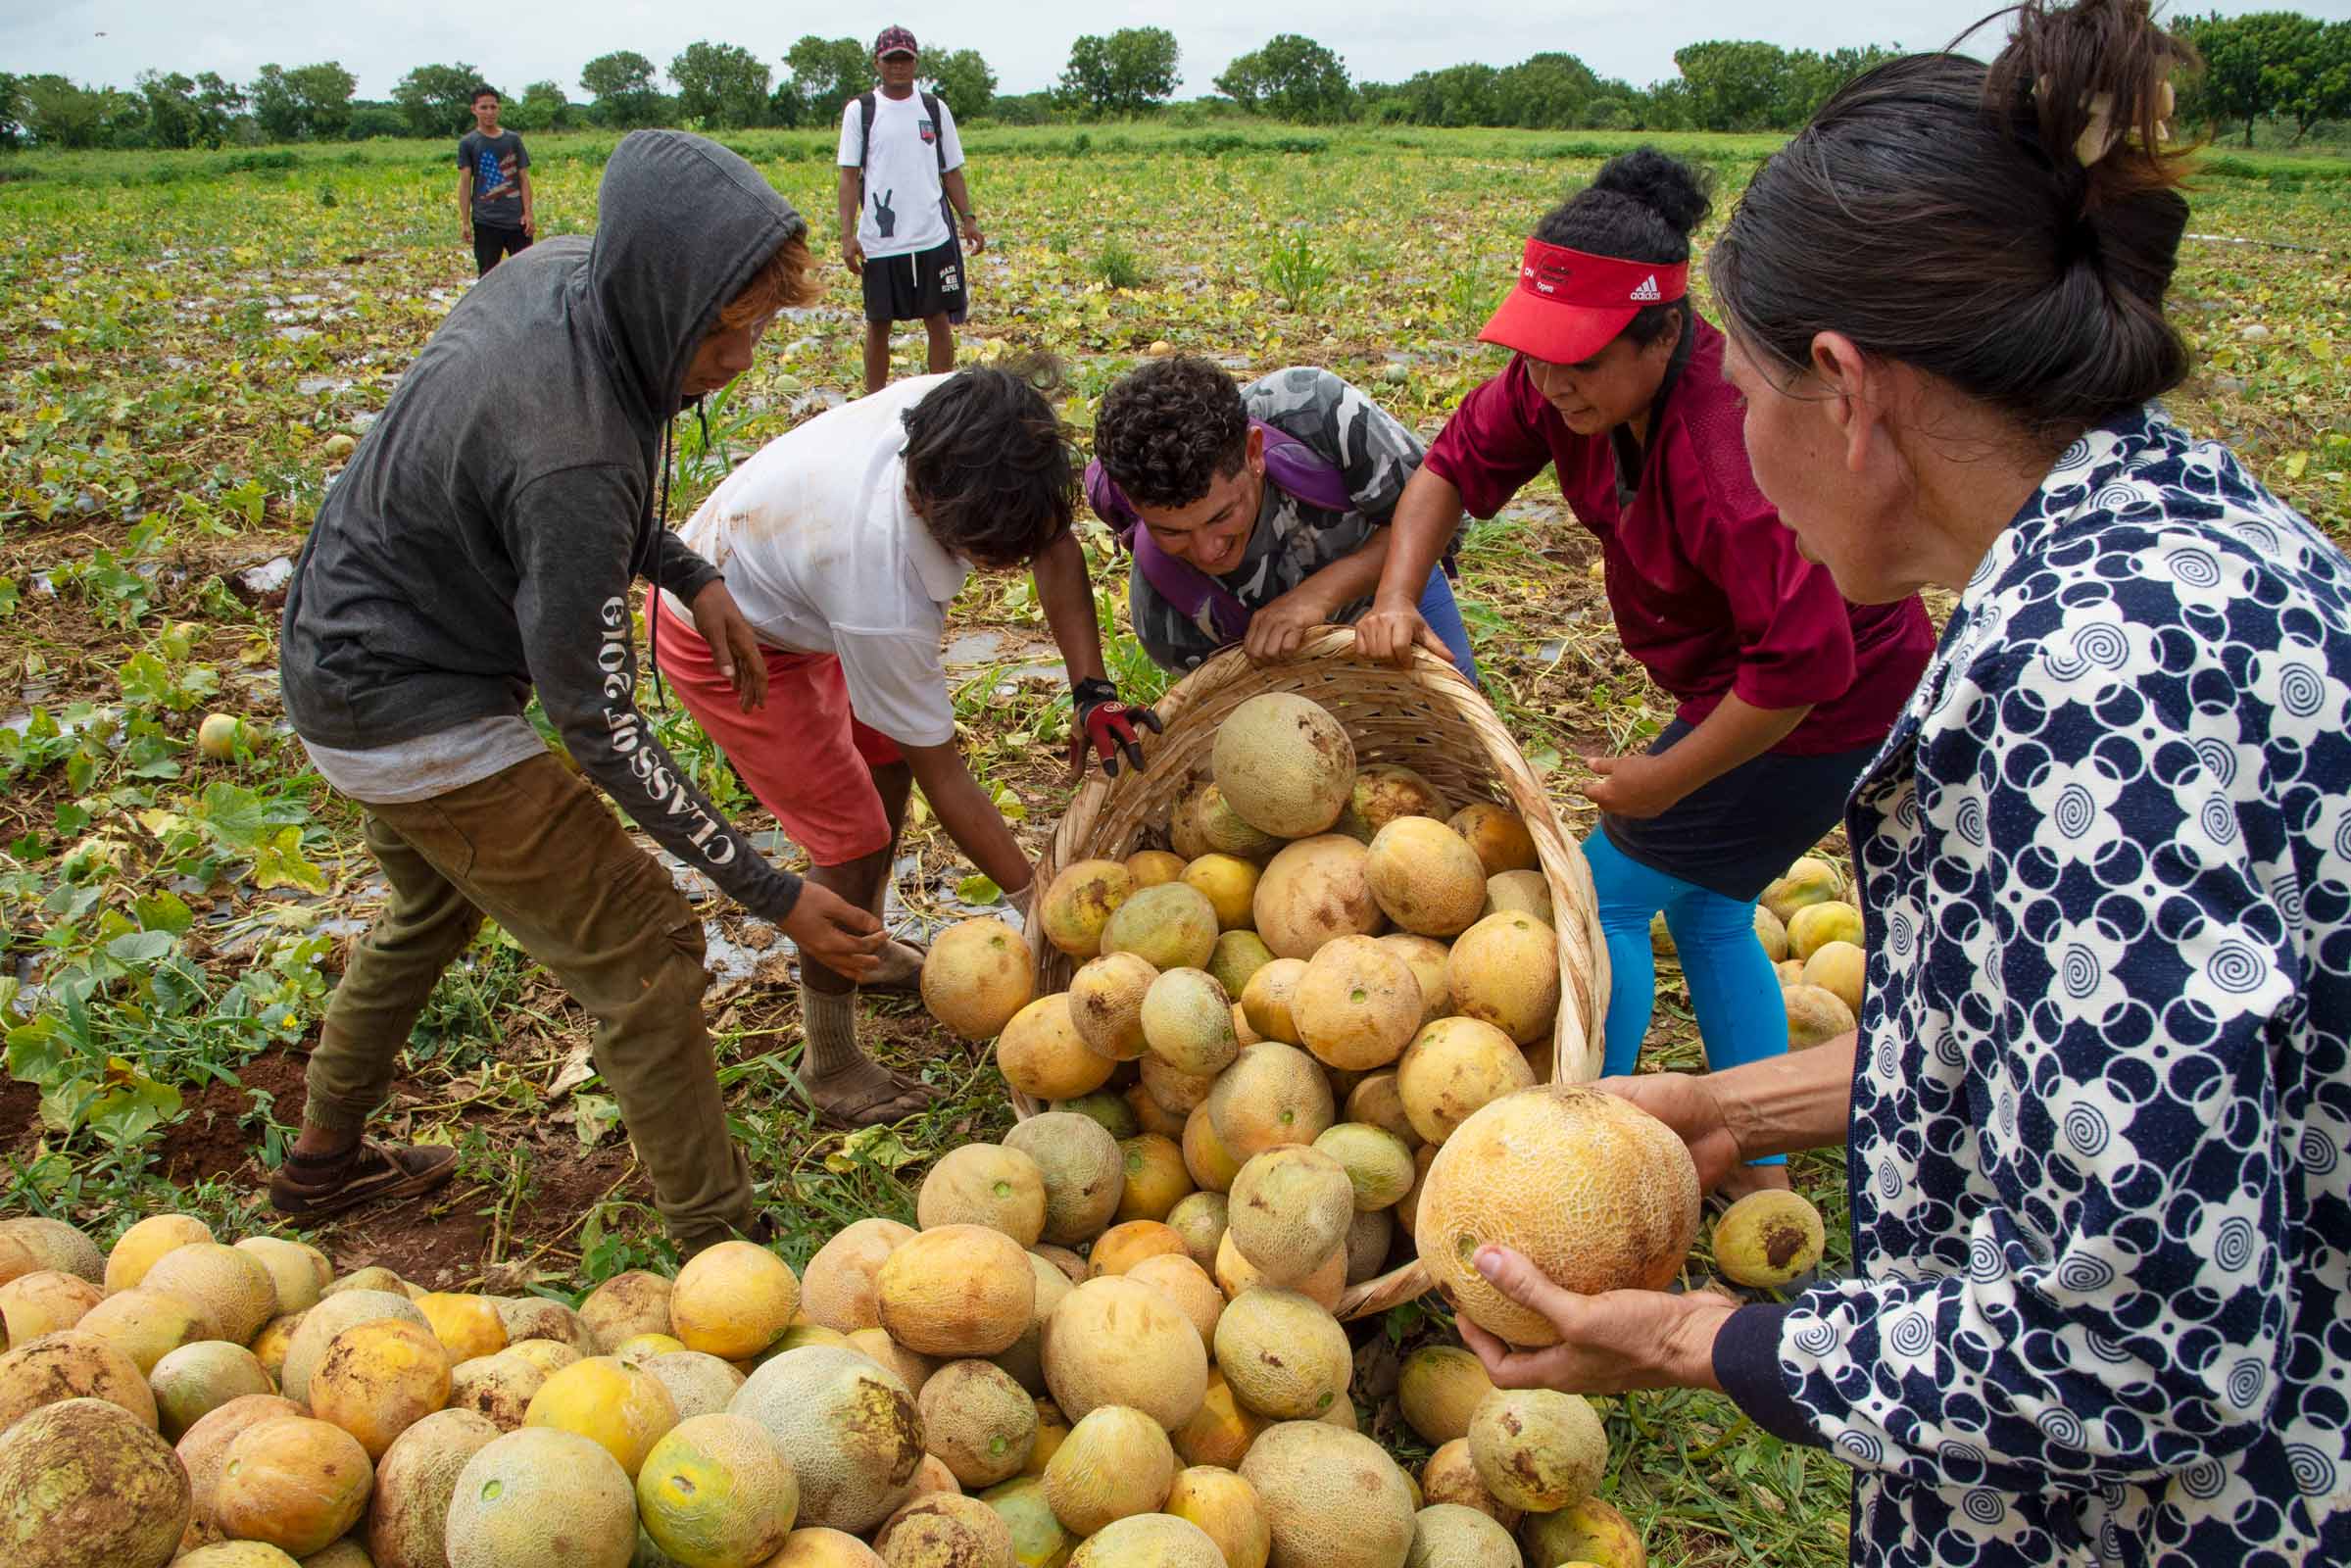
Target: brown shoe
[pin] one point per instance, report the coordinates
(311, 1185)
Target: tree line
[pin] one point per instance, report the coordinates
(2267, 66)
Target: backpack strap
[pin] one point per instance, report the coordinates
(864, 135)
(1297, 467)
(930, 107)
(1183, 585)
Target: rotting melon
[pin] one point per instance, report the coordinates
(1377, 1163)
(984, 1184)
(1498, 835)
(945, 1530)
(1151, 867)
(1229, 885)
(1041, 1054)
(978, 1422)
(1596, 1192)
(1432, 966)
(497, 1387)
(1079, 904)
(1200, 1219)
(1185, 1284)
(84, 1485)
(1114, 1341)
(1188, 1022)
(1330, 1496)
(1589, 1532)
(1236, 960)
(629, 1303)
(1815, 1015)
(1505, 971)
(1426, 876)
(135, 1251)
(1357, 1005)
(733, 1300)
(960, 1289)
(1267, 999)
(1289, 1210)
(148, 1325)
(1105, 1004)
(1082, 1169)
(850, 1428)
(1769, 1237)
(542, 1498)
(547, 1355)
(1172, 926)
(1383, 792)
(1285, 764)
(331, 1316)
(468, 1326)
(1172, 1093)
(1271, 1094)
(195, 1379)
(1451, 1476)
(1227, 1508)
(1454, 1067)
(407, 1516)
(837, 1290)
(232, 1285)
(717, 1491)
(1184, 832)
(1323, 1286)
(977, 974)
(698, 1384)
(69, 1365)
(1525, 891)
(1115, 1462)
(1314, 890)
(1437, 1387)
(45, 1301)
(1536, 1449)
(294, 1481)
(1284, 1356)
(292, 1268)
(378, 1379)
(1447, 1534)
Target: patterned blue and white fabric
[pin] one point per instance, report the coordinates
(2101, 1133)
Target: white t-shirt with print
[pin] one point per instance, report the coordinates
(901, 173)
(825, 556)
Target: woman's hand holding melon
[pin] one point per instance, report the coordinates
(1609, 1344)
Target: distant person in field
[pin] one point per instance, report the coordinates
(493, 186)
(1255, 513)
(1783, 690)
(903, 198)
(483, 544)
(844, 541)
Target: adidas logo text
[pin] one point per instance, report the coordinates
(1647, 293)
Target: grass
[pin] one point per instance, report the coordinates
(182, 334)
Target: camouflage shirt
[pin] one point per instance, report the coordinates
(1293, 540)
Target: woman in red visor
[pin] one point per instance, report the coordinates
(1783, 690)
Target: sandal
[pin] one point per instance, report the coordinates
(363, 1174)
(900, 1098)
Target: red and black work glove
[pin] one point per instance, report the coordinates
(1100, 721)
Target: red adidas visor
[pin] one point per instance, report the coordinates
(1569, 304)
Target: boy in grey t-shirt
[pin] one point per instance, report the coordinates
(493, 186)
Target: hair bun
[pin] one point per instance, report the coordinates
(1667, 186)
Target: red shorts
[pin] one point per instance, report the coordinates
(804, 755)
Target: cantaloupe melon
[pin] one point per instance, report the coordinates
(1407, 1208)
(69, 1365)
(1285, 764)
(1368, 1240)
(1383, 792)
(1051, 1427)
(1223, 1429)
(408, 1515)
(296, 1482)
(1082, 1169)
(1188, 1022)
(1451, 1476)
(978, 1422)
(838, 1289)
(1323, 1286)
(1445, 1534)
(624, 1409)
(56, 1245)
(1228, 1509)
(1039, 1540)
(629, 1303)
(1538, 1449)
(1438, 1389)
(1113, 1341)
(1377, 1101)
(1115, 1462)
(135, 1251)
(1229, 882)
(1314, 890)
(1172, 926)
(1378, 1163)
(232, 1285)
(1271, 1094)
(1498, 834)
(1268, 999)
(1769, 1237)
(375, 1277)
(1123, 1246)
(816, 1546)
(1426, 877)
(331, 1316)
(84, 1485)
(1080, 903)
(1596, 1192)
(1199, 1218)
(1236, 960)
(1816, 925)
(1211, 1164)
(1810, 880)
(945, 1530)
(1284, 1356)
(1227, 833)
(499, 1387)
(547, 1355)
(1289, 1210)
(378, 1379)
(1838, 969)
(1184, 831)
(1188, 1284)
(850, 1428)
(293, 1270)
(1240, 1028)
(1155, 1179)
(1172, 1093)
(984, 1184)
(255, 1554)
(1431, 964)
(958, 1289)
(977, 974)
(733, 1300)
(1528, 891)
(698, 1384)
(717, 1491)
(148, 1325)
(1815, 1015)
(1105, 1004)
(542, 1498)
(1041, 1054)
(1151, 867)
(910, 1367)
(1505, 971)
(1771, 934)
(1588, 1532)
(1330, 1496)
(45, 1301)
(1357, 1005)
(204, 1449)
(1789, 973)
(1151, 1540)
(193, 1381)
(1454, 1067)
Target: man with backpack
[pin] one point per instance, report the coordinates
(902, 198)
(1254, 514)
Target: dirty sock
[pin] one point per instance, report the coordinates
(830, 1019)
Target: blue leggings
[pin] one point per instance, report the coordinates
(1732, 986)
(1443, 617)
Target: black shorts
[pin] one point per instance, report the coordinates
(492, 243)
(917, 287)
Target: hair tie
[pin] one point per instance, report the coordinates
(2101, 136)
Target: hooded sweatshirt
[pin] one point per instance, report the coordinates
(484, 538)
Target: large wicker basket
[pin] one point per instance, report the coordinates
(1426, 717)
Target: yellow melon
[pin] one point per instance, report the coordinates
(1286, 1357)
(1221, 1432)
(1816, 925)
(984, 1184)
(203, 1448)
(1226, 833)
(195, 1379)
(1528, 891)
(1114, 1341)
(1154, 1177)
(1839, 968)
(910, 1367)
(1538, 1449)
(497, 1387)
(1105, 1004)
(1289, 1210)
(292, 1268)
(815, 1547)
(717, 1491)
(1426, 877)
(147, 1325)
(1323, 1285)
(541, 1499)
(1211, 1164)
(1505, 971)
(138, 1247)
(84, 1485)
(1451, 1477)
(468, 1326)
(1236, 960)
(294, 1481)
(1810, 880)
(1271, 1094)
(1314, 890)
(1039, 1540)
(1200, 1219)
(1437, 1387)
(1357, 1005)
(1177, 1277)
(621, 1408)
(850, 1428)
(547, 1355)
(68, 1364)
(1080, 903)
(958, 1289)
(1082, 1169)
(1122, 1247)
(1051, 1427)
(261, 1554)
(1815, 1015)
(977, 974)
(1268, 999)
(733, 1300)
(1115, 1462)
(55, 1244)
(1589, 1532)
(1383, 792)
(378, 1379)
(978, 1421)
(1172, 926)
(1769, 1237)
(1407, 1208)
(1447, 1534)
(1151, 867)
(1431, 964)
(1596, 1192)
(1285, 764)
(1151, 1541)
(1041, 1054)
(1228, 1509)
(1377, 1101)
(1771, 934)
(1229, 885)
(1242, 1032)
(1188, 1022)
(45, 1301)
(698, 1384)
(1452, 1068)
(408, 1514)
(318, 1327)
(1330, 1496)
(1788, 972)
(1498, 835)
(1377, 1163)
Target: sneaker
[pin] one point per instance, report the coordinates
(309, 1186)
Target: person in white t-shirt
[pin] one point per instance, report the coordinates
(902, 196)
(843, 542)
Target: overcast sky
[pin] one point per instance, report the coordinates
(519, 41)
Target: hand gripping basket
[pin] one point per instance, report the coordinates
(1426, 717)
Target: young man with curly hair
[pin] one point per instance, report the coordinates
(845, 540)
(1255, 513)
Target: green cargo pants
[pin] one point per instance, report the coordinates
(537, 851)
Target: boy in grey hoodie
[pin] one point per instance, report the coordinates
(483, 543)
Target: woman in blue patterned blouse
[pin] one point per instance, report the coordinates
(2098, 1112)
